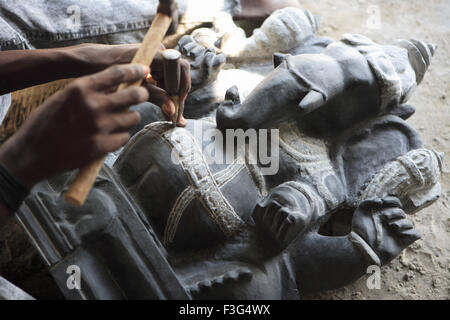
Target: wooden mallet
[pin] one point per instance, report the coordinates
(85, 178)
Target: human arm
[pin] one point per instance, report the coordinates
(24, 68)
(21, 69)
(75, 126)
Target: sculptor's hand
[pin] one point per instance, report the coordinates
(97, 57)
(383, 225)
(160, 97)
(76, 126)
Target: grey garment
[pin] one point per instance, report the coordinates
(8, 291)
(5, 103)
(10, 39)
(5, 100)
(28, 24)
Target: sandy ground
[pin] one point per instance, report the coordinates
(423, 270)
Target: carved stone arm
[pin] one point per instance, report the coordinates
(379, 233)
(413, 178)
(324, 263)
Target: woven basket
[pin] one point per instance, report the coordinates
(25, 101)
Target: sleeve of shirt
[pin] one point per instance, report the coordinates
(5, 103)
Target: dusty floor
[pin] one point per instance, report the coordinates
(422, 271)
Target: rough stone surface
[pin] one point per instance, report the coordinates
(21, 264)
(8, 291)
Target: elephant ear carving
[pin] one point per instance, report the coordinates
(362, 151)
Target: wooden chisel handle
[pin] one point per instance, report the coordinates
(172, 78)
(85, 178)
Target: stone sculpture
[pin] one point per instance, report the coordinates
(170, 221)
(8, 291)
(285, 30)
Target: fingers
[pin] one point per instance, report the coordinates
(292, 226)
(280, 216)
(395, 218)
(181, 121)
(410, 236)
(284, 233)
(106, 143)
(185, 87)
(194, 50)
(114, 115)
(214, 60)
(209, 58)
(126, 98)
(377, 204)
(270, 212)
(279, 221)
(264, 211)
(160, 98)
(115, 75)
(189, 47)
(185, 40)
(370, 204)
(393, 214)
(119, 122)
(401, 225)
(392, 202)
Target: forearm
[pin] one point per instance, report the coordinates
(15, 178)
(24, 68)
(21, 161)
(325, 263)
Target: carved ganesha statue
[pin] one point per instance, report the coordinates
(298, 188)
